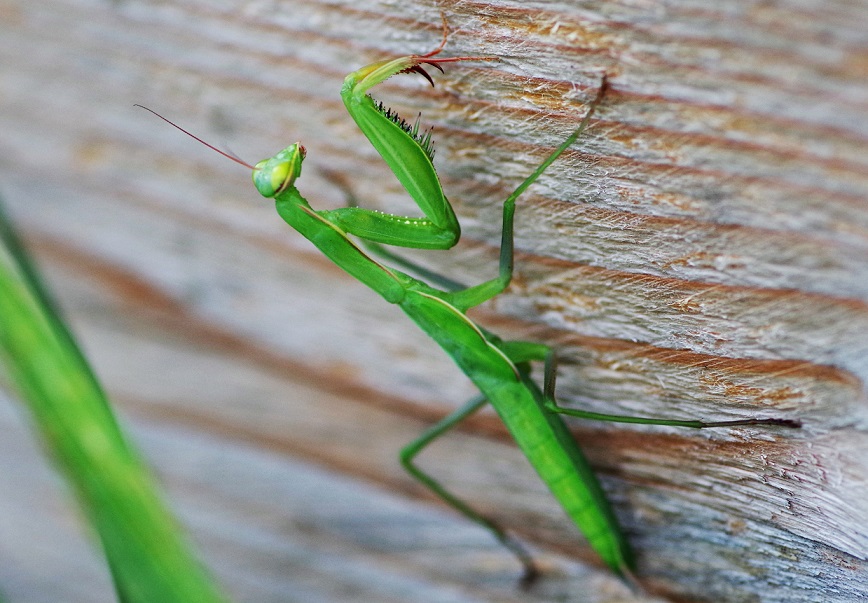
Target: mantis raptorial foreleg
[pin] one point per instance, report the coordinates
(384, 253)
(408, 153)
(499, 369)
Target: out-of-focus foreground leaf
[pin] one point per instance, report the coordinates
(146, 552)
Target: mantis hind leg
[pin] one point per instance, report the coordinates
(551, 403)
(522, 351)
(408, 455)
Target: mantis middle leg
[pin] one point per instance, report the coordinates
(473, 296)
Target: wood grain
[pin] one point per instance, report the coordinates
(700, 253)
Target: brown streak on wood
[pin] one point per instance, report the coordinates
(684, 358)
(680, 287)
(660, 170)
(174, 317)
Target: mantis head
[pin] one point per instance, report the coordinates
(270, 176)
(273, 176)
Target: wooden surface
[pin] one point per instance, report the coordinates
(700, 253)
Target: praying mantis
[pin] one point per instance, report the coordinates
(500, 369)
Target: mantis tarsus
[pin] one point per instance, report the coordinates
(500, 369)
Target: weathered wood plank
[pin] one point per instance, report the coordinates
(702, 252)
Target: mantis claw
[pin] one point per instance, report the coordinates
(421, 71)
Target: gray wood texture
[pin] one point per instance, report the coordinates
(700, 253)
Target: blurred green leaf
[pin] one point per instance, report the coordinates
(146, 552)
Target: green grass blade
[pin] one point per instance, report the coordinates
(146, 552)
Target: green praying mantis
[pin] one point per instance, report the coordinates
(501, 370)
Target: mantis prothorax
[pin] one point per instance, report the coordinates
(500, 369)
